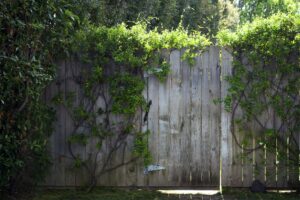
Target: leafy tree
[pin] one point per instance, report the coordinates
(265, 8)
(199, 15)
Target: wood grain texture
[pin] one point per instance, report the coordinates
(226, 135)
(153, 122)
(196, 122)
(175, 102)
(206, 118)
(185, 126)
(190, 133)
(215, 109)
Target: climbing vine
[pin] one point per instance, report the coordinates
(264, 86)
(108, 104)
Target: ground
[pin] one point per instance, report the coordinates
(122, 194)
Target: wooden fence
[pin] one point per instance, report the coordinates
(190, 133)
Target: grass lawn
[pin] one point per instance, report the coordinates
(122, 194)
(240, 194)
(101, 194)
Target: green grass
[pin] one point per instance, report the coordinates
(241, 194)
(101, 194)
(134, 194)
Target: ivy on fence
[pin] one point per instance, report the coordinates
(117, 58)
(265, 86)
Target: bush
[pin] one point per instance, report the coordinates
(31, 36)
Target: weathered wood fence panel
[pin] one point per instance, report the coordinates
(185, 123)
(190, 132)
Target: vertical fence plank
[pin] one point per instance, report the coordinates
(72, 174)
(282, 163)
(139, 165)
(153, 85)
(271, 156)
(175, 101)
(105, 178)
(185, 139)
(214, 106)
(163, 130)
(260, 160)
(281, 152)
(293, 170)
(50, 91)
(240, 161)
(206, 118)
(83, 175)
(248, 157)
(226, 135)
(261, 153)
(59, 134)
(196, 122)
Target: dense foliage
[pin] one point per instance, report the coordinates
(111, 90)
(207, 16)
(32, 34)
(250, 9)
(265, 85)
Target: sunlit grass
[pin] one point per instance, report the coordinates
(164, 194)
(193, 192)
(282, 191)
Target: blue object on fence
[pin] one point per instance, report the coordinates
(151, 168)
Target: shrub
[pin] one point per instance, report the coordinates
(32, 34)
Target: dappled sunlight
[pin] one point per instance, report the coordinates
(282, 191)
(201, 192)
